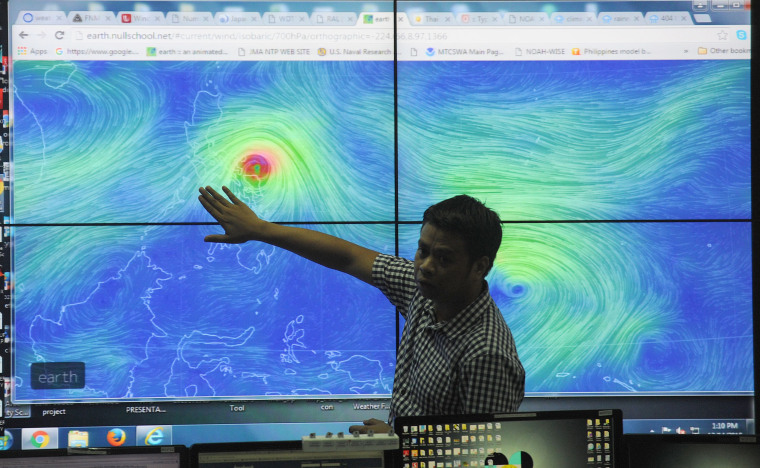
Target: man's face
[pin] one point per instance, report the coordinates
(444, 271)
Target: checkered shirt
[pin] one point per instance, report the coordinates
(468, 364)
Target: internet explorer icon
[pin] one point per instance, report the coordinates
(154, 435)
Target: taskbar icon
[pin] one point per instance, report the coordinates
(153, 435)
(39, 438)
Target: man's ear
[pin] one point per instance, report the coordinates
(481, 265)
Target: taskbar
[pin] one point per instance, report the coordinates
(46, 438)
(39, 438)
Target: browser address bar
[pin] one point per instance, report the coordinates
(198, 43)
(158, 35)
(351, 34)
(575, 34)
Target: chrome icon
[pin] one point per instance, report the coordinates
(40, 439)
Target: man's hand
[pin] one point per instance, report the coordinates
(239, 222)
(374, 425)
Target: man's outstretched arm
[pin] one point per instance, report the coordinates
(241, 224)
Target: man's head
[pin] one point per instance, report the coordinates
(477, 225)
(457, 246)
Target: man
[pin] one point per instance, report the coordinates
(457, 354)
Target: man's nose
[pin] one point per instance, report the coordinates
(427, 265)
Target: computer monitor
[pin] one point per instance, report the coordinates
(147, 329)
(613, 138)
(559, 439)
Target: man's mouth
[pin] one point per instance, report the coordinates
(423, 284)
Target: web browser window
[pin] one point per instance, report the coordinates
(139, 103)
(120, 111)
(614, 140)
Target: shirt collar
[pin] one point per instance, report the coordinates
(464, 320)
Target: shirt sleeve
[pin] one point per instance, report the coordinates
(394, 277)
(492, 383)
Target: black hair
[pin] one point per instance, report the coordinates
(478, 225)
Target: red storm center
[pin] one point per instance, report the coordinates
(256, 167)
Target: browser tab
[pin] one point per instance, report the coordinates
(481, 19)
(190, 18)
(141, 18)
(668, 18)
(92, 17)
(433, 19)
(330, 18)
(41, 17)
(621, 18)
(584, 18)
(286, 18)
(527, 19)
(381, 19)
(238, 18)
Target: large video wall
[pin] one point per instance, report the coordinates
(624, 187)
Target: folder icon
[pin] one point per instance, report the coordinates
(702, 51)
(79, 439)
